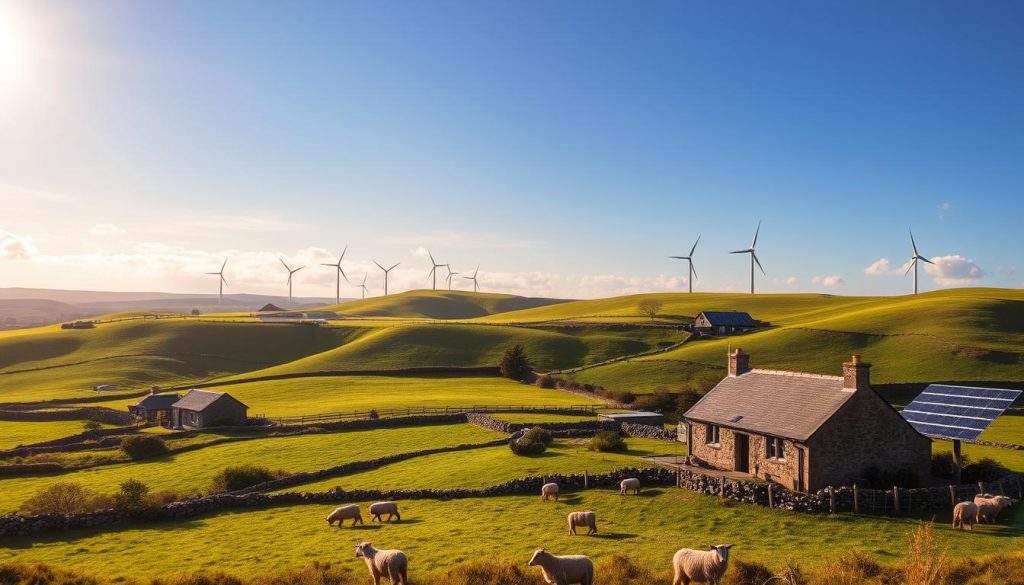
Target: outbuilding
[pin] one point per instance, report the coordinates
(724, 322)
(156, 407)
(637, 417)
(201, 408)
(805, 431)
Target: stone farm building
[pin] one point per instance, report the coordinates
(803, 431)
(200, 408)
(724, 322)
(155, 408)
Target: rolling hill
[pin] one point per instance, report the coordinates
(428, 304)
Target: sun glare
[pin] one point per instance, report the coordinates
(12, 47)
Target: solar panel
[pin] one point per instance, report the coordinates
(957, 412)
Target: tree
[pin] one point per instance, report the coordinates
(649, 308)
(142, 446)
(132, 495)
(515, 364)
(195, 311)
(64, 497)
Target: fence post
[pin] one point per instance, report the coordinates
(831, 500)
(856, 499)
(721, 486)
(981, 487)
(679, 478)
(586, 479)
(952, 496)
(771, 499)
(895, 498)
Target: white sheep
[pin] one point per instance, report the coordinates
(342, 513)
(588, 519)
(989, 506)
(965, 513)
(563, 570)
(549, 489)
(389, 508)
(629, 484)
(702, 566)
(384, 563)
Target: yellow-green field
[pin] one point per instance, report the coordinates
(15, 433)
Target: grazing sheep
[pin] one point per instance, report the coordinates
(965, 513)
(629, 484)
(989, 506)
(342, 513)
(588, 519)
(389, 508)
(549, 489)
(384, 563)
(563, 570)
(702, 566)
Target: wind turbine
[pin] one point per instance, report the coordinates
(337, 286)
(290, 274)
(386, 271)
(753, 257)
(473, 278)
(363, 286)
(433, 270)
(914, 259)
(223, 281)
(450, 276)
(689, 259)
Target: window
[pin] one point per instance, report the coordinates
(775, 448)
(711, 434)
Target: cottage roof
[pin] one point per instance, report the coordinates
(269, 307)
(730, 319)
(158, 401)
(199, 400)
(792, 405)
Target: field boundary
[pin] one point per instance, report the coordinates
(429, 411)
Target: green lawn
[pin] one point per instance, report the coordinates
(1008, 428)
(191, 472)
(15, 433)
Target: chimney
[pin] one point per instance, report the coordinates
(154, 390)
(739, 363)
(856, 374)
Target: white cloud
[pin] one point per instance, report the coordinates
(792, 280)
(105, 229)
(832, 280)
(882, 267)
(953, 270)
(945, 206)
(419, 252)
(14, 247)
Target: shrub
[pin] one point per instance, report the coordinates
(545, 381)
(607, 441)
(521, 447)
(659, 401)
(539, 435)
(243, 476)
(621, 570)
(514, 363)
(924, 564)
(743, 572)
(65, 497)
(985, 469)
(132, 495)
(142, 445)
(620, 396)
(685, 401)
(91, 425)
(373, 414)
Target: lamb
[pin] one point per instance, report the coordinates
(342, 513)
(563, 570)
(702, 566)
(384, 563)
(628, 484)
(588, 519)
(549, 489)
(389, 508)
(965, 513)
(989, 506)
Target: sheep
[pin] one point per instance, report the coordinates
(965, 513)
(563, 570)
(549, 489)
(628, 484)
(989, 506)
(384, 563)
(702, 566)
(379, 508)
(588, 519)
(342, 513)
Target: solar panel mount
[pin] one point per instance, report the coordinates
(957, 412)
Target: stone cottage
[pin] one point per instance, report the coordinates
(155, 407)
(803, 431)
(201, 408)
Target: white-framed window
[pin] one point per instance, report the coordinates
(775, 448)
(712, 435)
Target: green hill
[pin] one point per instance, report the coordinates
(427, 304)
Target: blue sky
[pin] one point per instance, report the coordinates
(566, 148)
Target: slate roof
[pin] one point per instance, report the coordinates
(791, 405)
(198, 400)
(158, 401)
(269, 307)
(730, 319)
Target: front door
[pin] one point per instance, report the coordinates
(742, 443)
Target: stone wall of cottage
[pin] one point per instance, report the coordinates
(722, 456)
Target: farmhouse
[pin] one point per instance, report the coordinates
(156, 407)
(200, 409)
(804, 431)
(724, 322)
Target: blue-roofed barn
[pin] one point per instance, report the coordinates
(724, 322)
(155, 407)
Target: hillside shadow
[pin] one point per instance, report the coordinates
(613, 535)
(401, 522)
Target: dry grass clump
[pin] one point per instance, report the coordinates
(925, 564)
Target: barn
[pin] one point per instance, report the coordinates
(804, 431)
(201, 408)
(155, 407)
(724, 322)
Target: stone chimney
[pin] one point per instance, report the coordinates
(739, 363)
(154, 390)
(856, 374)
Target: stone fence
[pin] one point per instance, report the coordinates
(97, 413)
(648, 432)
(489, 422)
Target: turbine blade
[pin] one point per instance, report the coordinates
(757, 231)
(694, 248)
(224, 279)
(678, 257)
(223, 265)
(334, 265)
(475, 272)
(468, 278)
(926, 260)
(342, 257)
(913, 244)
(431, 257)
(740, 252)
(364, 279)
(432, 271)
(694, 270)
(378, 265)
(393, 266)
(913, 261)
(754, 256)
(343, 275)
(285, 265)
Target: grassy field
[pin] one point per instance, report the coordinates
(191, 472)
(15, 433)
(440, 304)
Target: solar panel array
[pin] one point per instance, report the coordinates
(957, 412)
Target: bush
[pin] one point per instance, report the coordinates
(514, 363)
(65, 497)
(91, 425)
(659, 401)
(141, 446)
(685, 401)
(243, 476)
(539, 435)
(607, 441)
(620, 396)
(132, 495)
(373, 414)
(986, 469)
(545, 381)
(521, 447)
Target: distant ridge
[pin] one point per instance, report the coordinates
(430, 304)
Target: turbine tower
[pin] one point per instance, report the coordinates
(689, 259)
(433, 270)
(450, 276)
(220, 291)
(753, 257)
(291, 273)
(386, 271)
(363, 286)
(914, 259)
(473, 278)
(337, 286)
